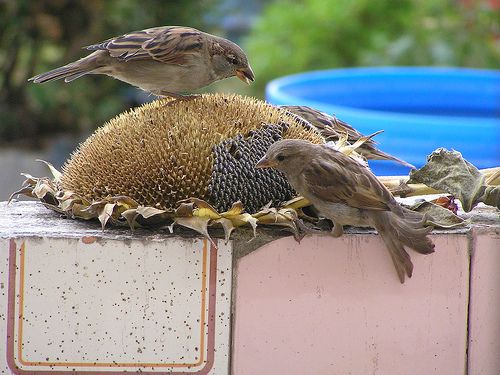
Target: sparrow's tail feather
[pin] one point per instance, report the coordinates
(412, 231)
(397, 232)
(371, 152)
(72, 77)
(69, 72)
(400, 257)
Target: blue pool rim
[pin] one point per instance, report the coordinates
(410, 136)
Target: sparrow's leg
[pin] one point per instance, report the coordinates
(176, 96)
(337, 229)
(305, 229)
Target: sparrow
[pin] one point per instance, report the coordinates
(166, 61)
(348, 193)
(332, 129)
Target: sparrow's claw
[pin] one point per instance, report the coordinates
(176, 97)
(337, 230)
(308, 230)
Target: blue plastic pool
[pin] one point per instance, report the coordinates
(420, 109)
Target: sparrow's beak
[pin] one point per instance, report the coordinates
(264, 163)
(245, 74)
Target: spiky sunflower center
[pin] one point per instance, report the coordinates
(159, 154)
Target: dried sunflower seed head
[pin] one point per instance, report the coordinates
(160, 154)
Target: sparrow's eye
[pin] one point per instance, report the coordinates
(280, 157)
(233, 60)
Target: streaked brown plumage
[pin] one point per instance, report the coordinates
(331, 128)
(168, 60)
(348, 193)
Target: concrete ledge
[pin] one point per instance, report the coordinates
(76, 299)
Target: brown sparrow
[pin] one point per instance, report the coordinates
(167, 61)
(348, 193)
(331, 128)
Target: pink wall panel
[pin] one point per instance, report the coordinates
(484, 322)
(335, 306)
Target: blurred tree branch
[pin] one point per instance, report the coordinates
(36, 36)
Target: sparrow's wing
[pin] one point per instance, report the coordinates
(168, 44)
(334, 177)
(329, 126)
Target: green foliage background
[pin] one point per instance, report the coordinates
(290, 36)
(294, 36)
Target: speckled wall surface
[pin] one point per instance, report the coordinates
(107, 305)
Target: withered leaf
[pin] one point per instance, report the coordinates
(147, 212)
(228, 227)
(296, 203)
(491, 196)
(105, 212)
(196, 223)
(81, 211)
(130, 215)
(25, 190)
(42, 188)
(55, 173)
(449, 172)
(437, 215)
